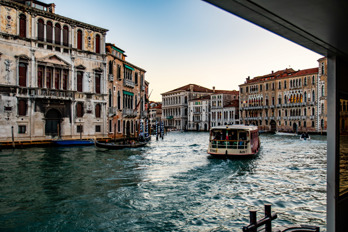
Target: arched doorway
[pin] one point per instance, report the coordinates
(53, 119)
(273, 126)
(197, 127)
(205, 127)
(294, 127)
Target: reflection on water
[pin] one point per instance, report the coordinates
(171, 185)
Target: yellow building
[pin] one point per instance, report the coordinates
(286, 100)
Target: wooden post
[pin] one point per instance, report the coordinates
(13, 143)
(253, 219)
(268, 214)
(80, 132)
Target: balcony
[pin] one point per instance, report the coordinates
(197, 113)
(111, 77)
(112, 111)
(128, 83)
(45, 93)
(129, 113)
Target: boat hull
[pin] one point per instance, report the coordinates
(73, 142)
(118, 146)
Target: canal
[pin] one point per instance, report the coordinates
(171, 185)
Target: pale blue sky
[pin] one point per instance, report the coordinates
(188, 41)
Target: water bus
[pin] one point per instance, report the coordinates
(234, 141)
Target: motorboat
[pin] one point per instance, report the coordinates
(234, 141)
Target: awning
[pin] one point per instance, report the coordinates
(128, 93)
(129, 67)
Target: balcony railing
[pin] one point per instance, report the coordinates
(128, 83)
(45, 93)
(112, 111)
(129, 113)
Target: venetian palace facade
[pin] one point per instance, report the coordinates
(286, 100)
(52, 74)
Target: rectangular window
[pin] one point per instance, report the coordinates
(22, 129)
(97, 82)
(22, 74)
(266, 86)
(241, 90)
(260, 87)
(284, 84)
(48, 77)
(79, 129)
(118, 126)
(40, 76)
(79, 81)
(65, 79)
(57, 79)
(97, 128)
(136, 78)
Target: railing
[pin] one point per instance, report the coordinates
(130, 113)
(267, 220)
(229, 144)
(42, 93)
(112, 111)
(128, 83)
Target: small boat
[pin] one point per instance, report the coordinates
(285, 133)
(120, 145)
(73, 142)
(305, 136)
(234, 141)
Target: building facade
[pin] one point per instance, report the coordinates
(175, 105)
(224, 108)
(53, 74)
(127, 94)
(286, 100)
(199, 114)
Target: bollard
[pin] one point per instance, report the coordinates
(268, 214)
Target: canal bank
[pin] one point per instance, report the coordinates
(171, 185)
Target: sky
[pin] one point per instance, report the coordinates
(180, 42)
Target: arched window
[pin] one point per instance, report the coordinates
(97, 43)
(110, 98)
(111, 67)
(49, 32)
(97, 83)
(79, 81)
(66, 35)
(322, 91)
(22, 107)
(322, 108)
(97, 110)
(79, 110)
(57, 32)
(118, 100)
(305, 96)
(40, 30)
(313, 96)
(313, 80)
(22, 26)
(305, 111)
(79, 39)
(22, 74)
(313, 111)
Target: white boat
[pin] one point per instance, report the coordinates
(285, 133)
(234, 141)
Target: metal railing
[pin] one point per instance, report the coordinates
(229, 144)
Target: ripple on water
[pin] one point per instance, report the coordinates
(170, 185)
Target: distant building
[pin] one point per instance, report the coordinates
(199, 114)
(286, 100)
(155, 113)
(224, 108)
(175, 105)
(53, 75)
(127, 94)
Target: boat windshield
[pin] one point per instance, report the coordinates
(224, 138)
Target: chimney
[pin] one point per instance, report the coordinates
(52, 7)
(191, 88)
(213, 89)
(272, 71)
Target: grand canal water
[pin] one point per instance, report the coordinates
(171, 185)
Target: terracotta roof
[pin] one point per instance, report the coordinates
(234, 92)
(289, 72)
(234, 103)
(201, 98)
(195, 88)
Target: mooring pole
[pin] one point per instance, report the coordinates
(115, 132)
(80, 132)
(13, 143)
(253, 219)
(268, 214)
